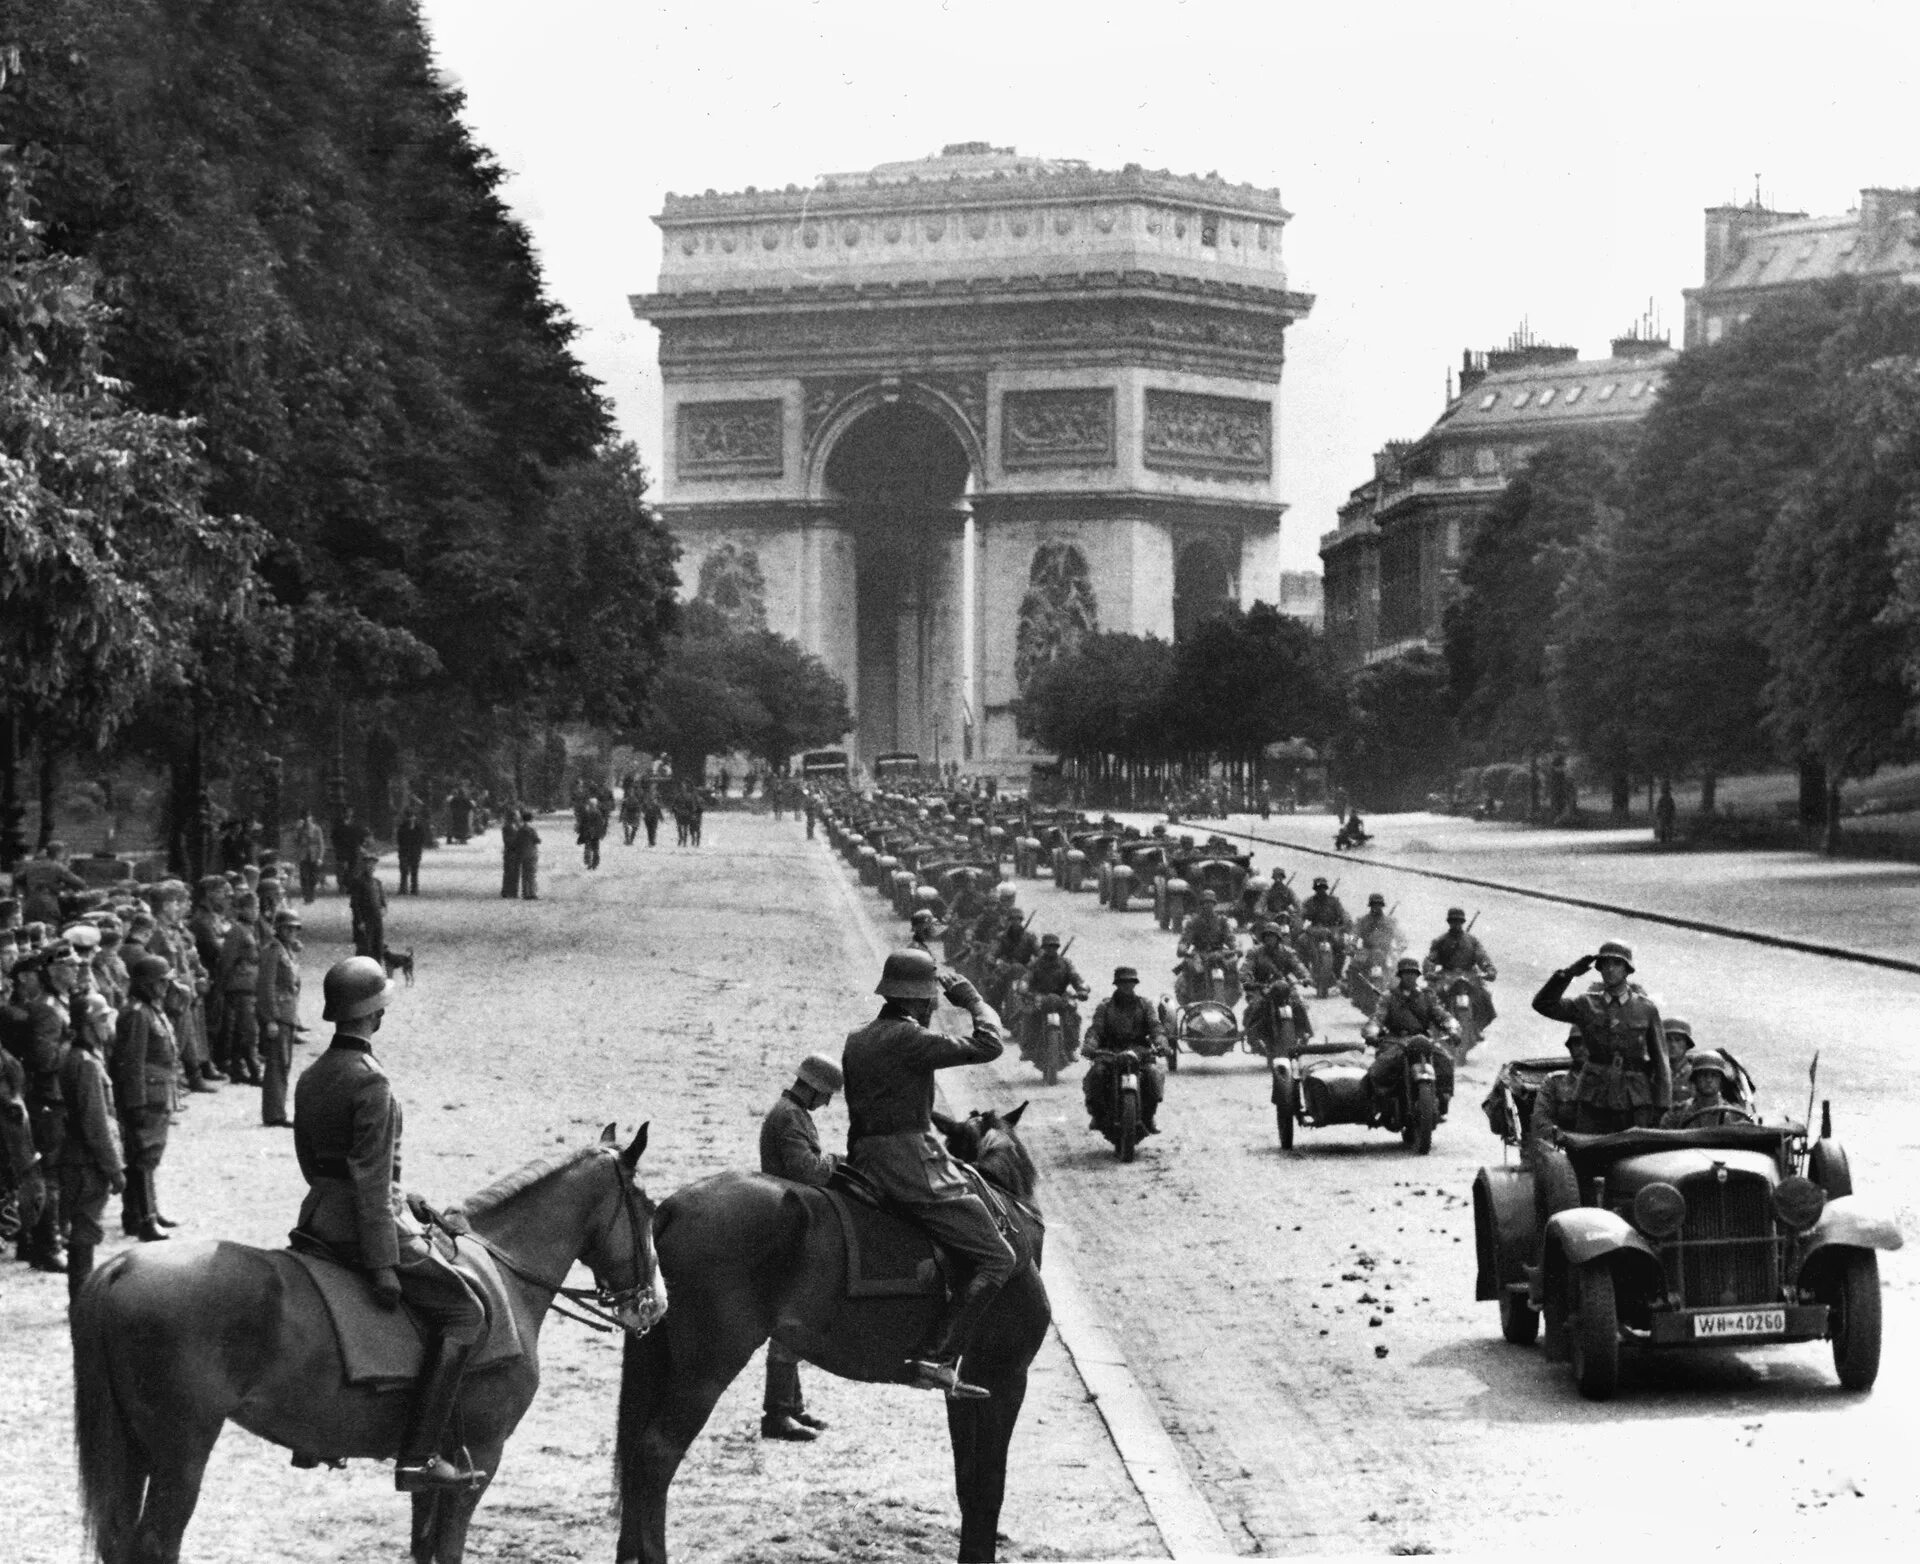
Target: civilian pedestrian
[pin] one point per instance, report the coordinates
(529, 858)
(410, 843)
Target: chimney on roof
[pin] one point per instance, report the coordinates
(1728, 228)
(1473, 369)
(1886, 214)
(1635, 344)
(1528, 355)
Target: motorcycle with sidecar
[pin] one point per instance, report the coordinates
(1320, 1084)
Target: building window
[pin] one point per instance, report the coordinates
(1638, 387)
(1573, 395)
(1453, 538)
(1546, 397)
(1520, 398)
(1606, 391)
(1485, 460)
(1716, 328)
(1487, 401)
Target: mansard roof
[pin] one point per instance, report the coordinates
(1539, 400)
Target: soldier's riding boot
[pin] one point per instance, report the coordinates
(79, 1267)
(422, 1465)
(936, 1365)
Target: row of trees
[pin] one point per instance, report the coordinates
(296, 457)
(1739, 585)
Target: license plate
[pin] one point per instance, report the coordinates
(1741, 1322)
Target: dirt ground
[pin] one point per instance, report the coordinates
(674, 986)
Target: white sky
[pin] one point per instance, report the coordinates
(1452, 169)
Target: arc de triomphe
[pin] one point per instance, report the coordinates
(940, 419)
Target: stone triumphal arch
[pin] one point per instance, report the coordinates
(939, 420)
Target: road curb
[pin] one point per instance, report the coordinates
(1186, 1522)
(1586, 904)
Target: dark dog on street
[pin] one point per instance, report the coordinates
(400, 961)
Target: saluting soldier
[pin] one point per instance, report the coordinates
(889, 1066)
(1627, 1079)
(346, 1134)
(790, 1149)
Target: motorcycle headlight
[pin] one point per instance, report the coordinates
(1659, 1210)
(1798, 1202)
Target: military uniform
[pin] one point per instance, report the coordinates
(1265, 966)
(889, 1065)
(1401, 1015)
(789, 1149)
(1322, 910)
(1620, 1085)
(346, 1135)
(146, 1087)
(89, 1163)
(1553, 1111)
(47, 1037)
(1379, 936)
(237, 977)
(276, 1005)
(369, 900)
(1124, 1021)
(1458, 951)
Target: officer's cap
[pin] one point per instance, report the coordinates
(55, 952)
(1125, 975)
(213, 882)
(1376, 900)
(1407, 964)
(83, 937)
(149, 967)
(287, 918)
(1049, 941)
(820, 1072)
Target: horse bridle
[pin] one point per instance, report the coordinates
(600, 1306)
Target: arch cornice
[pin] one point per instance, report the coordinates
(851, 405)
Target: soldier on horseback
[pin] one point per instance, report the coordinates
(889, 1067)
(346, 1133)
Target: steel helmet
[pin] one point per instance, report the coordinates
(1049, 941)
(1320, 884)
(1376, 900)
(1208, 899)
(1407, 964)
(1006, 890)
(1673, 1026)
(908, 974)
(1614, 950)
(1710, 1061)
(353, 988)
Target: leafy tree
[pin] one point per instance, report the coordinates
(1826, 591)
(1397, 741)
(1499, 630)
(1594, 671)
(1242, 681)
(802, 701)
(1106, 697)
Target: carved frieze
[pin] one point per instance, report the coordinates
(1213, 436)
(822, 395)
(731, 439)
(1057, 428)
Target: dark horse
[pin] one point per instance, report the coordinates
(749, 1257)
(170, 1342)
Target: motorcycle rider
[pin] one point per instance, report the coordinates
(1322, 911)
(1270, 965)
(1352, 832)
(1408, 1010)
(923, 926)
(1379, 935)
(888, 1071)
(1458, 953)
(1122, 1021)
(1280, 905)
(1203, 934)
(1708, 1073)
(1627, 1079)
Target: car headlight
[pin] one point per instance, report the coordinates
(1798, 1202)
(1659, 1210)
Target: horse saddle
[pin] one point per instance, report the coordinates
(888, 1255)
(386, 1349)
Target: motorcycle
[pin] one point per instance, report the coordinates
(1272, 1029)
(1415, 1106)
(1350, 836)
(1209, 976)
(1323, 957)
(1369, 976)
(1318, 1084)
(1465, 996)
(1049, 1031)
(1124, 1110)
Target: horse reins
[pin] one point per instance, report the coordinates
(599, 1304)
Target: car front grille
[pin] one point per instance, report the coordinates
(1729, 1251)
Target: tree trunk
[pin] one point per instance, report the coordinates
(383, 763)
(1622, 795)
(13, 838)
(1813, 792)
(1709, 790)
(49, 779)
(1830, 835)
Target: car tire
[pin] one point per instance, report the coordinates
(1594, 1332)
(1519, 1319)
(1855, 1325)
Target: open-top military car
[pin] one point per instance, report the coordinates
(1738, 1235)
(1135, 866)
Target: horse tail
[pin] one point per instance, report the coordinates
(113, 1466)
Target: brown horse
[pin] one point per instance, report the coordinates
(750, 1257)
(169, 1343)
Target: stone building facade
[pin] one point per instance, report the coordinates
(1392, 564)
(937, 420)
(1754, 252)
